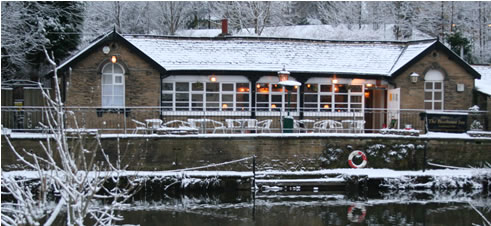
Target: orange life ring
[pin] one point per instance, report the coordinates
(357, 218)
(358, 154)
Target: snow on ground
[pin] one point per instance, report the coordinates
(429, 135)
(371, 173)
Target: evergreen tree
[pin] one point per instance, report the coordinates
(460, 43)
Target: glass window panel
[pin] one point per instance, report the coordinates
(262, 107)
(341, 98)
(438, 85)
(428, 96)
(310, 107)
(182, 106)
(243, 97)
(227, 87)
(242, 87)
(356, 99)
(355, 106)
(196, 104)
(275, 98)
(428, 105)
(262, 87)
(182, 86)
(438, 105)
(310, 88)
(167, 86)
(197, 86)
(167, 104)
(212, 97)
(106, 100)
(428, 85)
(242, 107)
(197, 97)
(342, 107)
(118, 79)
(262, 98)
(438, 95)
(293, 98)
(118, 90)
(356, 88)
(107, 90)
(108, 69)
(118, 69)
(310, 98)
(276, 88)
(326, 98)
(212, 87)
(118, 101)
(182, 97)
(107, 79)
(227, 98)
(326, 88)
(340, 88)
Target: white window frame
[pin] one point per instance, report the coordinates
(332, 94)
(433, 90)
(113, 75)
(432, 77)
(284, 98)
(203, 79)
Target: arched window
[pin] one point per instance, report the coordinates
(112, 85)
(434, 90)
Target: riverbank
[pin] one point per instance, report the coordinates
(345, 180)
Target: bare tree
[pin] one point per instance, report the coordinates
(171, 15)
(68, 168)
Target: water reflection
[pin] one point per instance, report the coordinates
(314, 208)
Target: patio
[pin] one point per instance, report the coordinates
(154, 120)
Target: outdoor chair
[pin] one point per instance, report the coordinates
(233, 125)
(320, 126)
(140, 126)
(265, 125)
(250, 125)
(298, 126)
(359, 126)
(218, 126)
(333, 125)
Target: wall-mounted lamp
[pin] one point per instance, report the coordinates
(414, 77)
(369, 85)
(114, 59)
(213, 78)
(283, 74)
(335, 81)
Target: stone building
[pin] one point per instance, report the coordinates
(238, 77)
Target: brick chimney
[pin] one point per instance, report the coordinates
(224, 27)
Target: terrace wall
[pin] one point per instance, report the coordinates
(279, 153)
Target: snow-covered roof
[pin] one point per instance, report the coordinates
(270, 54)
(318, 31)
(483, 84)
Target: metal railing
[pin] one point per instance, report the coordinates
(139, 119)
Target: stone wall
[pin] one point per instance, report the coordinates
(280, 153)
(412, 95)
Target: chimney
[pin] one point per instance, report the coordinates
(224, 27)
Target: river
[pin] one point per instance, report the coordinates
(311, 208)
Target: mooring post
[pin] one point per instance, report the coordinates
(424, 155)
(254, 173)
